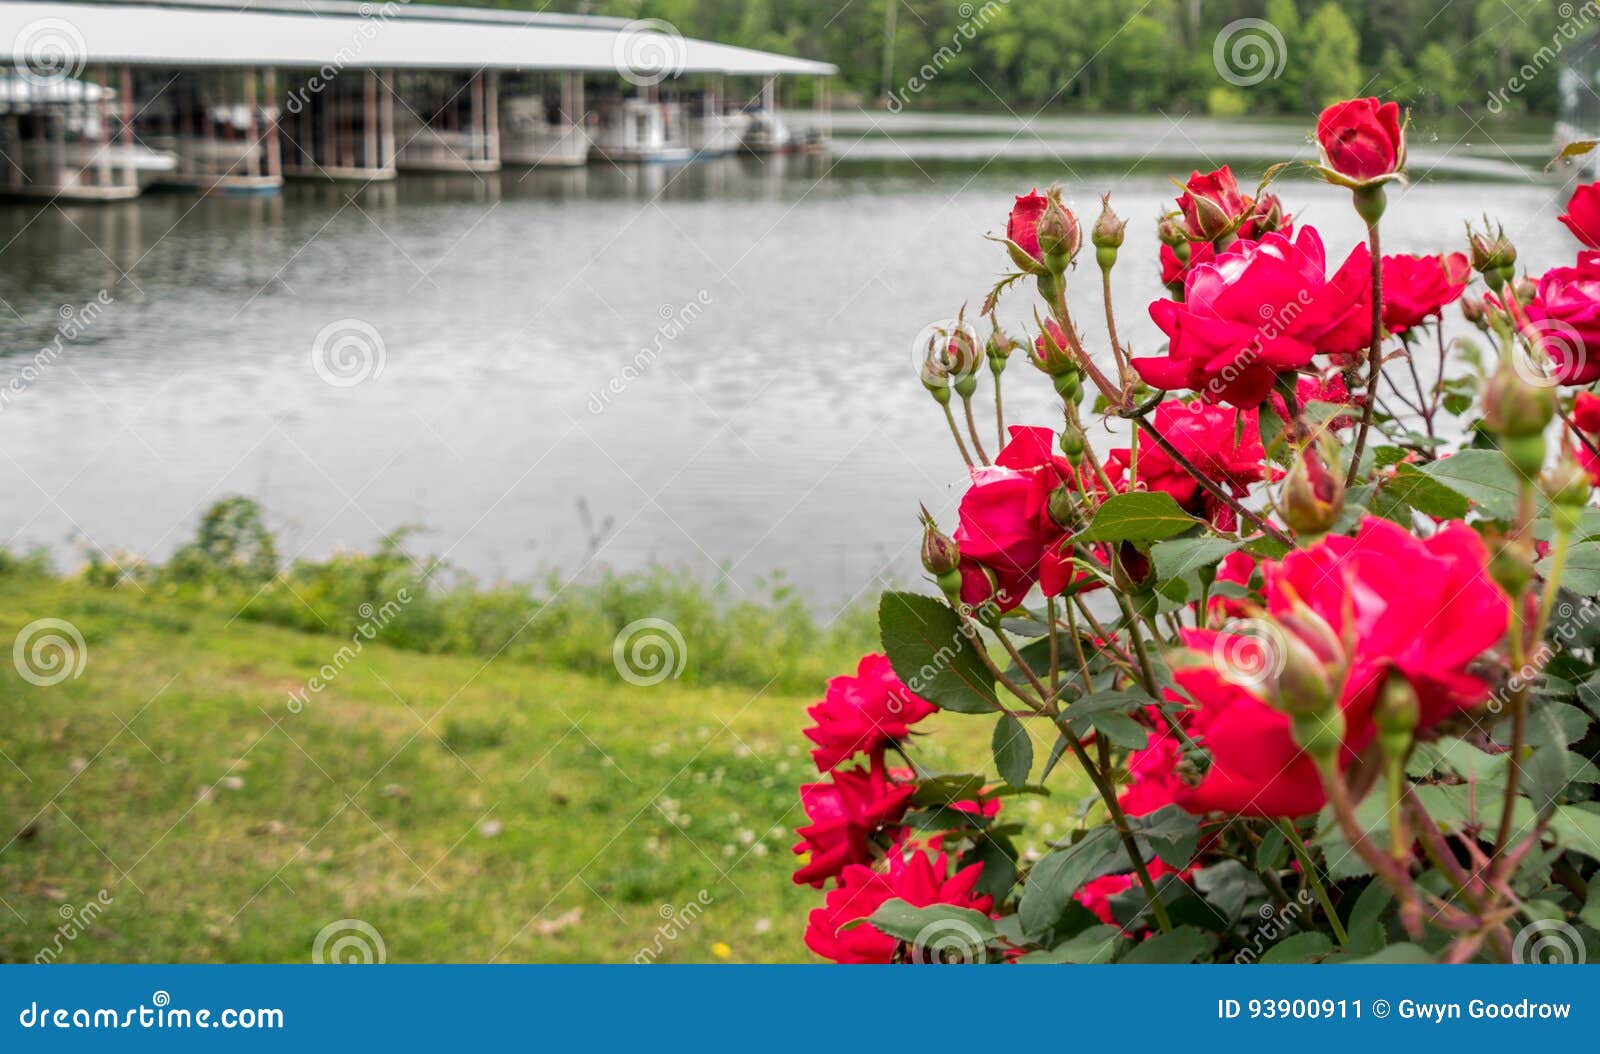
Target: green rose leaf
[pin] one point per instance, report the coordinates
(1181, 556)
(1480, 476)
(1013, 751)
(1145, 516)
(928, 647)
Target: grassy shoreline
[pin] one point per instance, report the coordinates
(467, 808)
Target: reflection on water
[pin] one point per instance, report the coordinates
(539, 391)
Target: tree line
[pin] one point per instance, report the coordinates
(1223, 56)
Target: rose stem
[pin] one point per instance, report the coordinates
(1374, 355)
(1292, 836)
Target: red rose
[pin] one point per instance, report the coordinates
(1565, 318)
(845, 814)
(915, 878)
(1022, 227)
(1586, 412)
(1583, 214)
(1214, 440)
(1424, 609)
(1416, 288)
(863, 714)
(1005, 526)
(1212, 205)
(1260, 308)
(1266, 216)
(1361, 139)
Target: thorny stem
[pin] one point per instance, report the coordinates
(1374, 356)
(1309, 869)
(961, 445)
(1395, 877)
(1438, 850)
(1119, 820)
(972, 429)
(1108, 793)
(1519, 699)
(1113, 393)
(1111, 329)
(1588, 444)
(999, 416)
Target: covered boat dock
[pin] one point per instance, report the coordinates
(103, 99)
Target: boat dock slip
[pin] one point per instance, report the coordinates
(103, 99)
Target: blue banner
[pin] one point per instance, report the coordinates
(780, 1008)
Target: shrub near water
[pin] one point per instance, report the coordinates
(774, 641)
(1330, 667)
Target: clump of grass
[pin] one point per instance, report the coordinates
(422, 604)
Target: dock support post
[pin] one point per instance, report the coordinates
(274, 161)
(102, 135)
(491, 116)
(125, 89)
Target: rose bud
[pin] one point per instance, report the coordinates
(1059, 234)
(1510, 561)
(1474, 311)
(1362, 140)
(1313, 495)
(1524, 289)
(998, 350)
(1169, 229)
(961, 358)
(1493, 256)
(1063, 508)
(1513, 407)
(1265, 216)
(1107, 235)
(1050, 355)
(1022, 232)
(1583, 214)
(1072, 443)
(1396, 714)
(935, 375)
(1303, 685)
(1212, 205)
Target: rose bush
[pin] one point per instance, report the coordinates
(1301, 639)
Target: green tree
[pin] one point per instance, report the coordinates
(1330, 45)
(1437, 76)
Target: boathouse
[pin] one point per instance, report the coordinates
(104, 98)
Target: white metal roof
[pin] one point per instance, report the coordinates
(376, 35)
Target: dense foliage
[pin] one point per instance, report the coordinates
(1110, 55)
(1322, 635)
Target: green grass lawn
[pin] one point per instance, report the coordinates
(467, 809)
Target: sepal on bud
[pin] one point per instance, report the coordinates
(1313, 494)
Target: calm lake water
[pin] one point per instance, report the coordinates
(781, 429)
